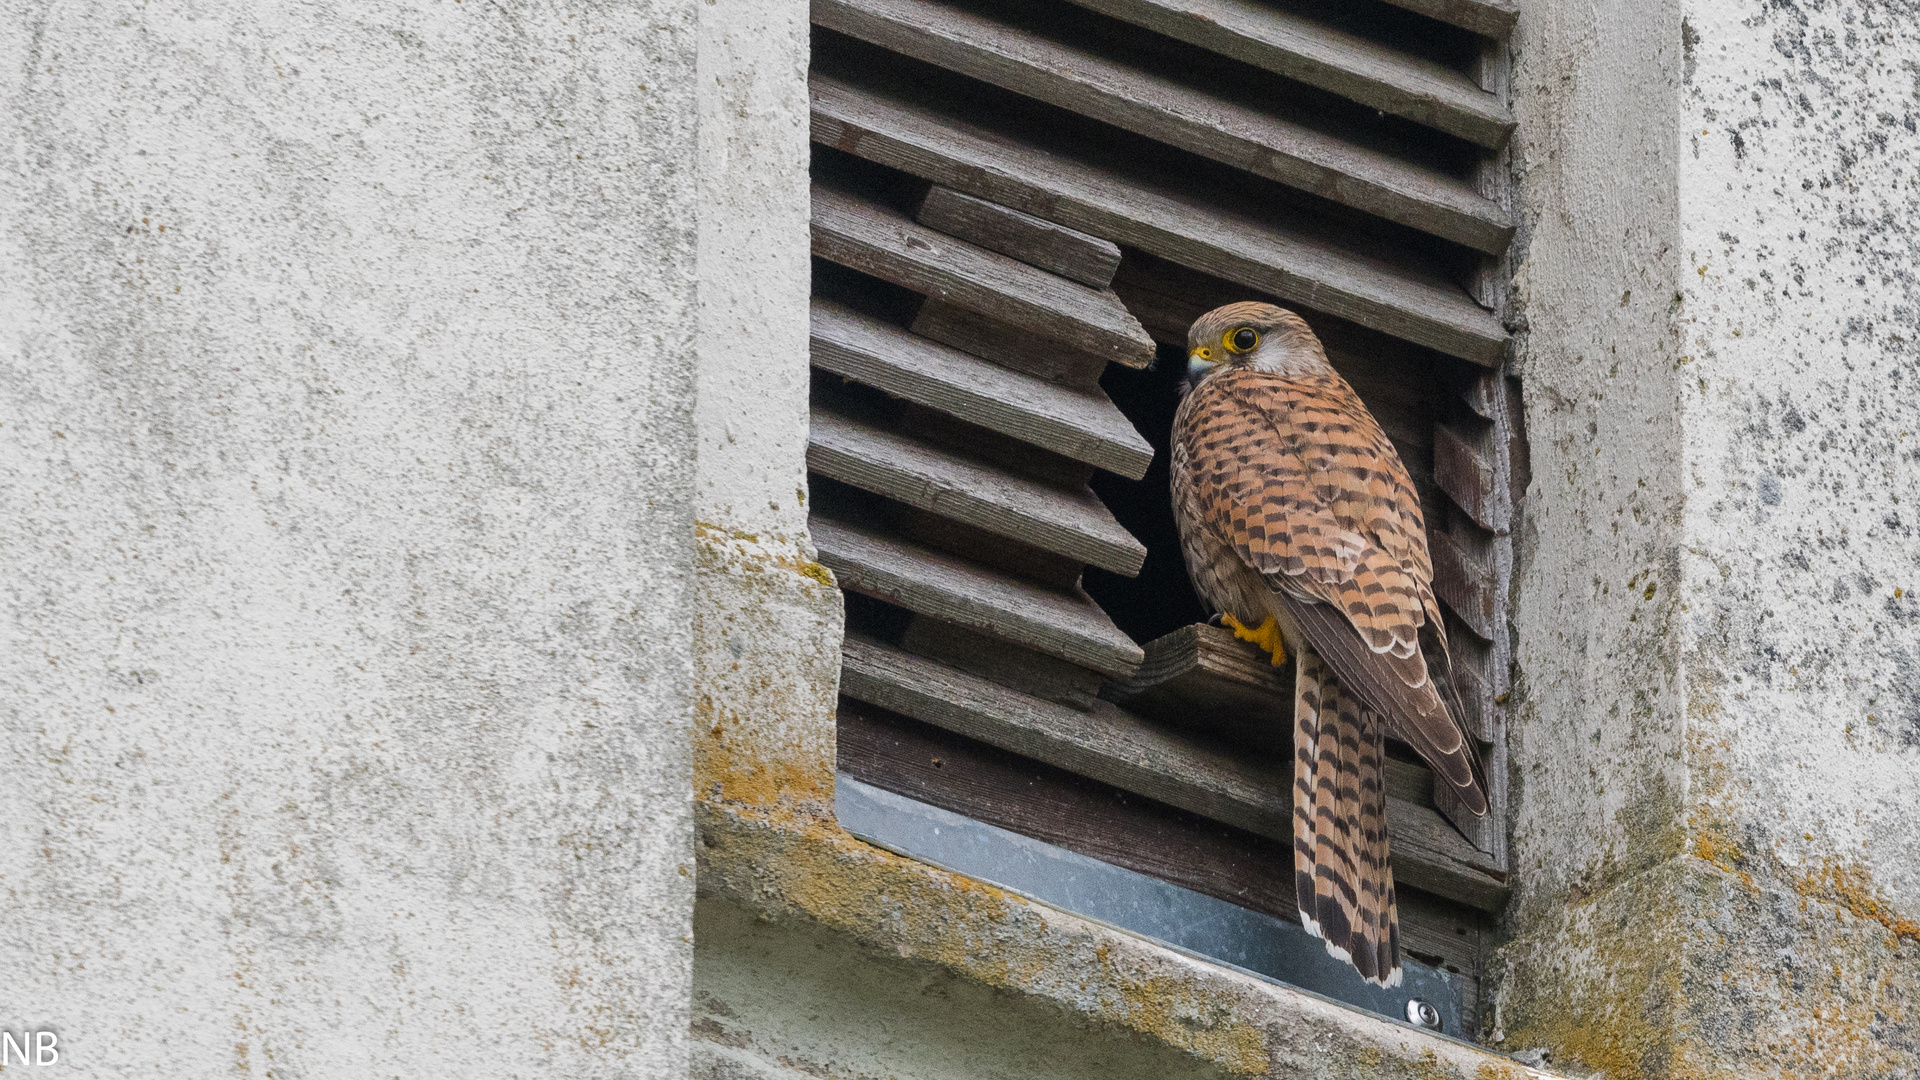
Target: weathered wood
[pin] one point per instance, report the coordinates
(1112, 746)
(1307, 51)
(1014, 557)
(1009, 346)
(878, 240)
(1488, 18)
(1202, 678)
(1062, 623)
(934, 766)
(987, 784)
(1164, 109)
(1471, 658)
(1061, 520)
(1070, 253)
(1464, 583)
(1080, 424)
(1009, 665)
(1137, 212)
(1463, 469)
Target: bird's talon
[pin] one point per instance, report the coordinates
(1267, 636)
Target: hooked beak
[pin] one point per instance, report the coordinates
(1199, 362)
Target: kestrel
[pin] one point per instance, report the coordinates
(1301, 527)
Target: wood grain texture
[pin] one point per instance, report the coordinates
(934, 766)
(1464, 584)
(1066, 521)
(1111, 745)
(1070, 253)
(1080, 424)
(1061, 623)
(1307, 51)
(1202, 678)
(1463, 468)
(1009, 665)
(1137, 212)
(955, 773)
(1488, 18)
(1009, 346)
(1160, 107)
(880, 241)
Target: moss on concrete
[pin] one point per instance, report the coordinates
(804, 870)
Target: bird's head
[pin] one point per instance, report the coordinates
(1255, 335)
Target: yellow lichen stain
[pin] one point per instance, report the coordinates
(818, 573)
(1370, 1057)
(1492, 1071)
(1712, 844)
(1176, 1012)
(1850, 886)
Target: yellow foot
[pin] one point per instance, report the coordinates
(1267, 637)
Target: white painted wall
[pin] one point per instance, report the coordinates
(345, 449)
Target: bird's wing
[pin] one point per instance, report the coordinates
(1297, 477)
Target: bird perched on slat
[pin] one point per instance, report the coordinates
(1301, 527)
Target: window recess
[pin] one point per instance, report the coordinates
(1018, 208)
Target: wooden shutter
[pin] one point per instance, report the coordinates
(1017, 206)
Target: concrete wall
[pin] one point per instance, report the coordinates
(345, 443)
(1717, 738)
(767, 623)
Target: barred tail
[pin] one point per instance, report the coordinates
(1342, 878)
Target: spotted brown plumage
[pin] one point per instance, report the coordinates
(1297, 515)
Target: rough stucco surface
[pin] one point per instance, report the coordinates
(767, 622)
(1720, 250)
(345, 429)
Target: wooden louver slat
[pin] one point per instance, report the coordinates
(1166, 110)
(1080, 424)
(1112, 746)
(1488, 18)
(1088, 260)
(1052, 518)
(1139, 213)
(1353, 67)
(1067, 625)
(878, 240)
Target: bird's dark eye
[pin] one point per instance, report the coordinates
(1242, 340)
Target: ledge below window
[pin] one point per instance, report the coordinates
(799, 870)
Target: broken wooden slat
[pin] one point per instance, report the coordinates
(1065, 521)
(1202, 678)
(1065, 624)
(880, 241)
(1112, 746)
(1070, 253)
(1464, 583)
(1488, 18)
(1084, 425)
(1166, 110)
(1008, 346)
(1462, 468)
(1133, 212)
(1310, 52)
